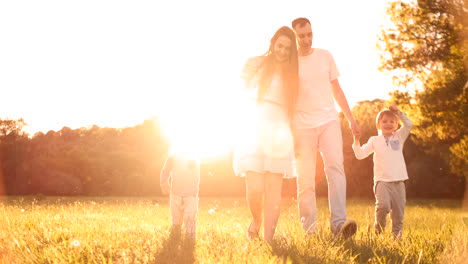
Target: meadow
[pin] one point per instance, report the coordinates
(136, 230)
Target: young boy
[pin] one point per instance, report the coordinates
(389, 167)
(180, 178)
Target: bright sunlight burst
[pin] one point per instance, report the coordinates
(207, 124)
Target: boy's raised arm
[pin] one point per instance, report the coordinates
(407, 123)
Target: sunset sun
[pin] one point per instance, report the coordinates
(204, 127)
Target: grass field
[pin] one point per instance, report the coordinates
(136, 230)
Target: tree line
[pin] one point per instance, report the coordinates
(97, 161)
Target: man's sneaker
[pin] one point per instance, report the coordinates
(348, 229)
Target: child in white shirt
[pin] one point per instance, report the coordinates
(180, 178)
(389, 167)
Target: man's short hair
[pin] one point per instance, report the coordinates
(300, 22)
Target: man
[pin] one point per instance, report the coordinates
(317, 128)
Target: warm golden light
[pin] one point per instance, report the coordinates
(207, 128)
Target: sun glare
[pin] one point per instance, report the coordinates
(207, 128)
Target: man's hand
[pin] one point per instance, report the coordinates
(355, 129)
(356, 140)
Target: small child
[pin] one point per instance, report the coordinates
(180, 178)
(389, 167)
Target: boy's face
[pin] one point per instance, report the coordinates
(388, 125)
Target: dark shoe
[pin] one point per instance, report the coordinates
(251, 235)
(348, 229)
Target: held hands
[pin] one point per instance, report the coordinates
(355, 129)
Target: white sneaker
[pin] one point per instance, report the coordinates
(348, 229)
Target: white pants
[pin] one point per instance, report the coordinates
(184, 211)
(328, 140)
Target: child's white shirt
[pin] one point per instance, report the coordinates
(389, 163)
(182, 175)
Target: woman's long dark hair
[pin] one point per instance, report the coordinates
(289, 73)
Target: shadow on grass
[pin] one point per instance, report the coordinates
(176, 250)
(327, 249)
(370, 249)
(290, 252)
(366, 253)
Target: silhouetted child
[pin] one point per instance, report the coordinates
(180, 178)
(389, 167)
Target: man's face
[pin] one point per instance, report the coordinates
(282, 48)
(304, 36)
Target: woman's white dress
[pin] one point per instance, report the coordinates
(265, 143)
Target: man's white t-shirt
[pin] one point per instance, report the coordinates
(315, 104)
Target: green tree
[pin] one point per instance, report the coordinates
(13, 142)
(424, 49)
(8, 126)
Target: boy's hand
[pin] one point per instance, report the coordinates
(393, 108)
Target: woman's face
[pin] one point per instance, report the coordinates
(282, 48)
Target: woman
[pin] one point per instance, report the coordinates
(266, 155)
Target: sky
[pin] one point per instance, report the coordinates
(118, 63)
